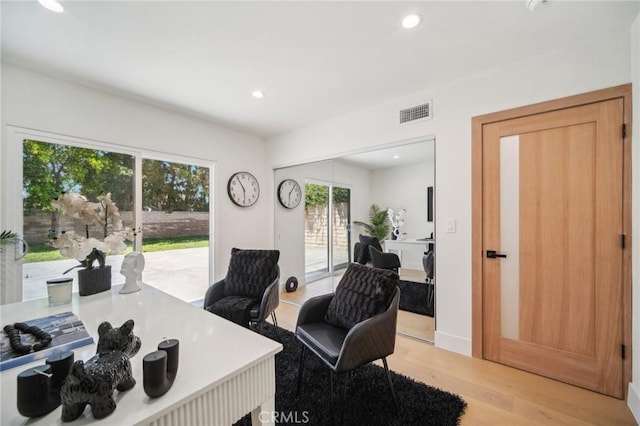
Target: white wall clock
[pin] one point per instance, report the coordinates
(289, 193)
(243, 189)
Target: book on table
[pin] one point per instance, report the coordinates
(66, 330)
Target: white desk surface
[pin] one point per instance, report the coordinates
(409, 241)
(212, 350)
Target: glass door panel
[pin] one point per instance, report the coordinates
(175, 203)
(316, 235)
(50, 169)
(341, 228)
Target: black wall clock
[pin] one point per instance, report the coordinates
(243, 189)
(289, 193)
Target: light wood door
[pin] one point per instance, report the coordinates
(553, 205)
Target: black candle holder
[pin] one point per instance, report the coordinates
(159, 368)
(39, 387)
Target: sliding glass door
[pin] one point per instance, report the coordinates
(327, 229)
(340, 227)
(165, 202)
(51, 169)
(175, 216)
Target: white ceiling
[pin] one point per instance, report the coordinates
(396, 156)
(313, 60)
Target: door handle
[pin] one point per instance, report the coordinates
(492, 254)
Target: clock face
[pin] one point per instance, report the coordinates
(289, 193)
(243, 189)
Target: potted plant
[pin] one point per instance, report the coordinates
(105, 214)
(378, 225)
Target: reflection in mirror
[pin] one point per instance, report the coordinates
(316, 239)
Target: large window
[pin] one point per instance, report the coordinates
(168, 201)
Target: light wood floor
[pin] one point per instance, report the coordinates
(415, 325)
(495, 394)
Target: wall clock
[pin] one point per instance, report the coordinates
(289, 193)
(243, 189)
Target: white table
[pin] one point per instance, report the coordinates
(415, 248)
(225, 370)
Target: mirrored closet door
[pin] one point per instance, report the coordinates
(317, 237)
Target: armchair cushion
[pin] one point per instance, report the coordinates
(234, 308)
(250, 272)
(324, 339)
(362, 293)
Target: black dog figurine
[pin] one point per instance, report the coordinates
(94, 382)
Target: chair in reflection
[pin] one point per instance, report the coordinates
(361, 252)
(353, 326)
(427, 264)
(249, 293)
(383, 260)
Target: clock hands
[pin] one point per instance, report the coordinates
(244, 191)
(290, 192)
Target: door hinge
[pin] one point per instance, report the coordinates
(623, 241)
(624, 130)
(623, 351)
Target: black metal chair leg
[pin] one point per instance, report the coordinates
(275, 323)
(301, 369)
(393, 393)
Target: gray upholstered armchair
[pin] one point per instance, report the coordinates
(354, 326)
(249, 294)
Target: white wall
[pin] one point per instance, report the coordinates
(35, 101)
(405, 187)
(634, 387)
(595, 64)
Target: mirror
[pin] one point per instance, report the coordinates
(316, 239)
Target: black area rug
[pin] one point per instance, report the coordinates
(368, 400)
(413, 297)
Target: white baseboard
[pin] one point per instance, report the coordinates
(633, 402)
(452, 343)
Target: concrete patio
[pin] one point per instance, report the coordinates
(181, 273)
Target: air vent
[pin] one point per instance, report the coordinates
(416, 112)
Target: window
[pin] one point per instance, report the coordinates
(167, 198)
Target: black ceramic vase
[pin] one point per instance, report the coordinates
(95, 280)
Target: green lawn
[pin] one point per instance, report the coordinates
(44, 252)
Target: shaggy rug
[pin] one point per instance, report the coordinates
(368, 400)
(413, 297)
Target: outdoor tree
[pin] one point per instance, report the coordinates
(175, 186)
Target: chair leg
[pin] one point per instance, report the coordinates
(275, 323)
(301, 370)
(430, 290)
(393, 393)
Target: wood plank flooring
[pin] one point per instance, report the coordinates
(495, 394)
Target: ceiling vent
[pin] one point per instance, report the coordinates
(416, 112)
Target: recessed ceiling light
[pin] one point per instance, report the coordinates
(52, 5)
(411, 21)
(396, 157)
(258, 94)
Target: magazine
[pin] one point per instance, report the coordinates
(67, 331)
